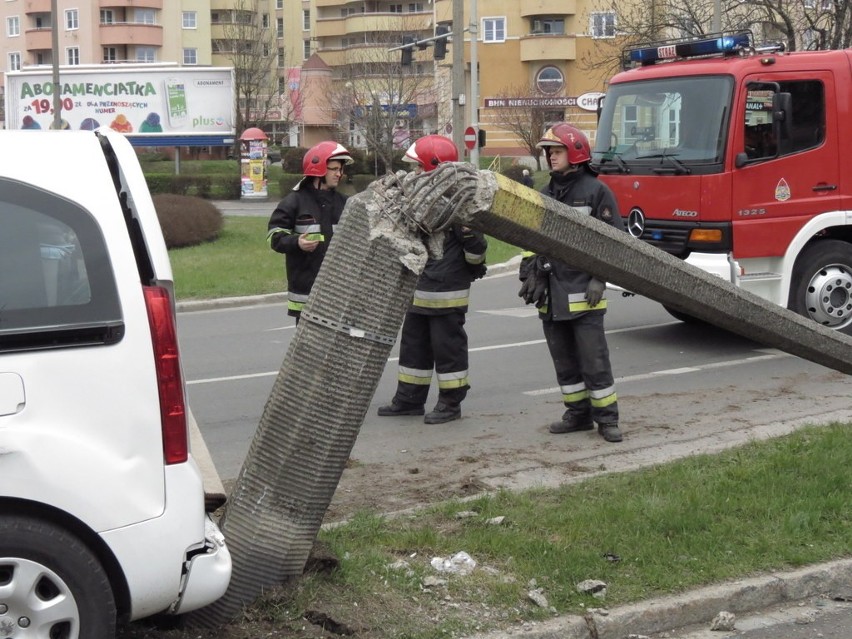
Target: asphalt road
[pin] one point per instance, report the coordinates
(669, 375)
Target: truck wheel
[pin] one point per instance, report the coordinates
(821, 287)
(51, 585)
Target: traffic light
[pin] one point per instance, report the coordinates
(407, 51)
(441, 43)
(481, 138)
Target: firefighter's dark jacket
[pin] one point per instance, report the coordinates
(567, 285)
(444, 285)
(307, 210)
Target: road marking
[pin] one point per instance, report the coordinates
(478, 349)
(769, 354)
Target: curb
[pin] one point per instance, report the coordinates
(495, 270)
(666, 614)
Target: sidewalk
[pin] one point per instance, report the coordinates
(677, 616)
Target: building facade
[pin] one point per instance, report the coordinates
(536, 56)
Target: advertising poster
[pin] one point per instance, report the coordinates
(253, 165)
(138, 100)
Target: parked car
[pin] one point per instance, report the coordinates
(102, 517)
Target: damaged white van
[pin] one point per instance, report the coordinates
(102, 516)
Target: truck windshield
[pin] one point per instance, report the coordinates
(675, 125)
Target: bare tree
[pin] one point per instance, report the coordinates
(798, 24)
(249, 43)
(380, 103)
(520, 114)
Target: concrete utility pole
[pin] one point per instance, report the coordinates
(54, 44)
(474, 81)
(458, 73)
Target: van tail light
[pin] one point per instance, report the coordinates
(169, 381)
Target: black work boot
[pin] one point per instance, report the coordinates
(400, 408)
(610, 432)
(572, 423)
(443, 413)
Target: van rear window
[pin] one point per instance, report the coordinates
(57, 287)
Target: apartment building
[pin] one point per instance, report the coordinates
(185, 32)
(535, 54)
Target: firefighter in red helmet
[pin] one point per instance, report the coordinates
(572, 303)
(433, 334)
(303, 223)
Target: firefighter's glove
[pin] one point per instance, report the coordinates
(534, 273)
(477, 271)
(595, 291)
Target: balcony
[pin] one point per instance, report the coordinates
(136, 34)
(37, 6)
(36, 39)
(548, 47)
(138, 4)
(373, 23)
(548, 8)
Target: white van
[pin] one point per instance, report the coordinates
(102, 517)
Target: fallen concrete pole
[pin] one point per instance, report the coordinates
(523, 217)
(350, 323)
(327, 381)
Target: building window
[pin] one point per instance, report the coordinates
(549, 80)
(13, 26)
(279, 4)
(280, 56)
(306, 19)
(144, 16)
(264, 21)
(14, 61)
(110, 55)
(603, 24)
(552, 26)
(190, 56)
(189, 20)
(415, 7)
(494, 29)
(145, 54)
(107, 16)
(306, 49)
(395, 8)
(72, 19)
(72, 56)
(279, 27)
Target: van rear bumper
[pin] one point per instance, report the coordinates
(207, 571)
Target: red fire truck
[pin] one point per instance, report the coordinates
(729, 155)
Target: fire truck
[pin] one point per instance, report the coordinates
(728, 155)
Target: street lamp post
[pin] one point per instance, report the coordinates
(54, 44)
(474, 81)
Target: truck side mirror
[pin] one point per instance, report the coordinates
(782, 116)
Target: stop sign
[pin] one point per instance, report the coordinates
(470, 138)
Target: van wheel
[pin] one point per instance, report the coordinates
(821, 286)
(51, 584)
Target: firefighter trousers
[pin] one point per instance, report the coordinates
(430, 342)
(581, 359)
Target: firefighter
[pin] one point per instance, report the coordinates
(433, 335)
(572, 303)
(303, 223)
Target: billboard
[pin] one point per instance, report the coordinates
(138, 100)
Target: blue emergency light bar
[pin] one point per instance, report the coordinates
(718, 44)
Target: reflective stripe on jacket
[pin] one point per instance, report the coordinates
(444, 285)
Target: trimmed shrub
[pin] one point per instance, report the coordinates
(291, 159)
(515, 172)
(187, 220)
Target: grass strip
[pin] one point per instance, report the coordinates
(241, 263)
(766, 506)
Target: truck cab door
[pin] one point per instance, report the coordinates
(786, 160)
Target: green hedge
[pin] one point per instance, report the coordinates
(216, 187)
